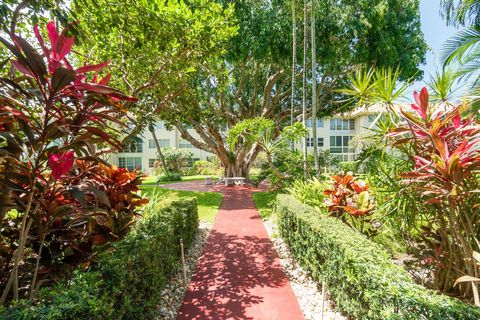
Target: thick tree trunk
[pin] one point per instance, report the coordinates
(240, 165)
(237, 169)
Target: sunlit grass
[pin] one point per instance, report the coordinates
(264, 202)
(152, 180)
(208, 202)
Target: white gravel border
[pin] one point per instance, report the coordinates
(174, 292)
(307, 291)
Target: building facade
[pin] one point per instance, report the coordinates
(334, 134)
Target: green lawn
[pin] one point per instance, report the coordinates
(152, 180)
(264, 202)
(208, 202)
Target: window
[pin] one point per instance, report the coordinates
(340, 144)
(320, 142)
(371, 118)
(309, 123)
(130, 163)
(185, 144)
(134, 146)
(338, 124)
(164, 143)
(309, 142)
(151, 162)
(344, 157)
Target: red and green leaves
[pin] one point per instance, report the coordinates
(51, 114)
(349, 200)
(348, 195)
(61, 163)
(446, 145)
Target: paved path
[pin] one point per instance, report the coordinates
(239, 275)
(199, 185)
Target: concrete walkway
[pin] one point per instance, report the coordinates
(239, 275)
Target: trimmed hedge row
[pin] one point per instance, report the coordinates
(362, 280)
(127, 281)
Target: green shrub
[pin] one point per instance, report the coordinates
(204, 167)
(309, 192)
(169, 177)
(348, 166)
(362, 280)
(128, 280)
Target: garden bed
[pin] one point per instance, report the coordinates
(363, 281)
(307, 291)
(129, 279)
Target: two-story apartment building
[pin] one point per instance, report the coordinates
(334, 134)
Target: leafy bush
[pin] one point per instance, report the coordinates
(362, 280)
(349, 200)
(204, 167)
(309, 192)
(441, 143)
(176, 160)
(348, 166)
(169, 177)
(52, 114)
(128, 280)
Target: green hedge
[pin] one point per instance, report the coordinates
(362, 280)
(128, 280)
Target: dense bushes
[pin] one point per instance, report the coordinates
(176, 161)
(127, 281)
(58, 199)
(362, 280)
(204, 167)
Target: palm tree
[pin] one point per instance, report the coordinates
(314, 92)
(304, 97)
(294, 62)
(463, 12)
(463, 49)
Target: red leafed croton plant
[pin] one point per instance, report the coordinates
(442, 142)
(58, 200)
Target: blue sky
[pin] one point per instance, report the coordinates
(436, 32)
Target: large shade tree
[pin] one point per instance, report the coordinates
(187, 66)
(254, 78)
(154, 47)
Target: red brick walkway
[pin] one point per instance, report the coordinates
(239, 275)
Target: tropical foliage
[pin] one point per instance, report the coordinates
(442, 146)
(263, 133)
(60, 200)
(349, 200)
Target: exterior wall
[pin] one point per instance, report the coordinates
(148, 153)
(327, 131)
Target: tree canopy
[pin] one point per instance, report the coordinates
(212, 64)
(255, 73)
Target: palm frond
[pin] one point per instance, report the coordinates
(458, 47)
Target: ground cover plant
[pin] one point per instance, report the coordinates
(60, 200)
